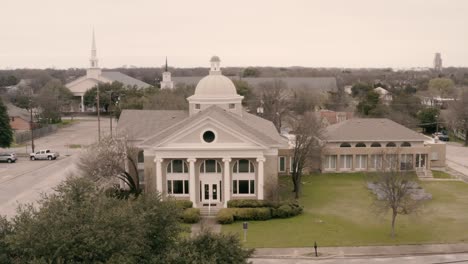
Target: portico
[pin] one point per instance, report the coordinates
(210, 181)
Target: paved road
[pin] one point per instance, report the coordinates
(428, 259)
(457, 158)
(24, 181)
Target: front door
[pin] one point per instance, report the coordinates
(421, 161)
(210, 192)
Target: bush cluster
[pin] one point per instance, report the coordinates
(239, 210)
(191, 215)
(183, 204)
(286, 210)
(249, 203)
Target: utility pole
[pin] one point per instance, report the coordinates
(31, 121)
(31, 124)
(98, 114)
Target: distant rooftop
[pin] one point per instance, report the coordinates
(370, 129)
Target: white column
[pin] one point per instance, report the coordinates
(227, 181)
(82, 103)
(192, 182)
(261, 178)
(159, 180)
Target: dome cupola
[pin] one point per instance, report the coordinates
(215, 89)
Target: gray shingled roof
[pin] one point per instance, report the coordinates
(370, 129)
(14, 111)
(141, 124)
(323, 84)
(125, 79)
(156, 125)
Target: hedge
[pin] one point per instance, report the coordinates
(286, 210)
(261, 213)
(225, 216)
(249, 203)
(282, 210)
(183, 204)
(191, 215)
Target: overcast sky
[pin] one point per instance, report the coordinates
(313, 33)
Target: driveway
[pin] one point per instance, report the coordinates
(25, 180)
(457, 158)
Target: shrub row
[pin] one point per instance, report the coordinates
(191, 215)
(249, 203)
(229, 215)
(183, 204)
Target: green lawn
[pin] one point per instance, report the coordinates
(337, 212)
(441, 175)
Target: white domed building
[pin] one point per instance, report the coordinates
(210, 154)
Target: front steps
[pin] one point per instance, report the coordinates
(206, 211)
(424, 174)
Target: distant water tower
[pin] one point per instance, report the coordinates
(438, 62)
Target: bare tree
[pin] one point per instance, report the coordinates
(111, 161)
(276, 98)
(394, 190)
(307, 133)
(459, 115)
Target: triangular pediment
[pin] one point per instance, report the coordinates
(192, 136)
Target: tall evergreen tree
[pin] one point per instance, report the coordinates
(6, 133)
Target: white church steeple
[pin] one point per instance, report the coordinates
(94, 71)
(94, 59)
(166, 82)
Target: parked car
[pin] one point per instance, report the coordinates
(8, 157)
(44, 154)
(441, 136)
(444, 138)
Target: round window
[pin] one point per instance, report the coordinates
(208, 136)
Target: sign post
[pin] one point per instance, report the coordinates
(245, 226)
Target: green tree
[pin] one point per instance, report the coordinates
(79, 223)
(428, 118)
(105, 92)
(6, 133)
(245, 90)
(361, 89)
(212, 248)
(368, 103)
(443, 87)
(250, 72)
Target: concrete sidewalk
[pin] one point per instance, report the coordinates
(327, 252)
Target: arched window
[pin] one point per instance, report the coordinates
(141, 157)
(360, 145)
(177, 166)
(210, 166)
(391, 144)
(243, 166)
(375, 145)
(345, 145)
(405, 144)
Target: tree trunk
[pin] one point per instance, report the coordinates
(293, 176)
(394, 215)
(297, 187)
(466, 136)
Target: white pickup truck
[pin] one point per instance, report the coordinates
(44, 154)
